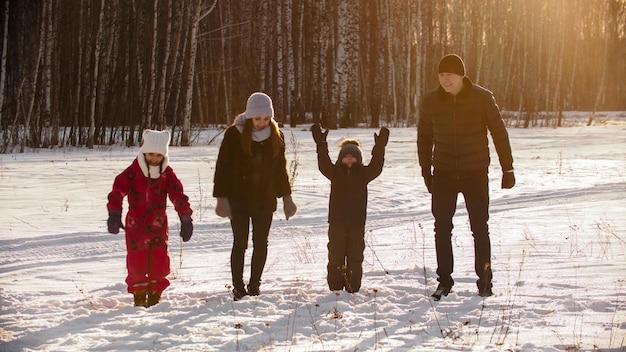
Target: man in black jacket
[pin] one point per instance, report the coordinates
(453, 150)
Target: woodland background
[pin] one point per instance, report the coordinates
(86, 73)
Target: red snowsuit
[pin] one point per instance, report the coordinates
(147, 258)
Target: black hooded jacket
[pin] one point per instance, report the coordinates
(348, 187)
(452, 132)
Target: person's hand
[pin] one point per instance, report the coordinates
(508, 179)
(222, 208)
(318, 135)
(428, 180)
(382, 138)
(186, 227)
(289, 207)
(114, 222)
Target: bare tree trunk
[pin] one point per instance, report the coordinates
(296, 56)
(47, 77)
(558, 97)
(409, 60)
(136, 85)
(166, 61)
(370, 68)
(284, 49)
(79, 75)
(392, 68)
(55, 62)
(191, 65)
(522, 94)
(173, 60)
(223, 68)
(600, 90)
(483, 34)
(106, 70)
(180, 68)
(3, 64)
(95, 78)
(510, 69)
(419, 60)
(151, 83)
(30, 135)
(536, 97)
(574, 56)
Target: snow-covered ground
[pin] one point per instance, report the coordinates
(558, 243)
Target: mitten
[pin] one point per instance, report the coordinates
(223, 207)
(114, 223)
(428, 180)
(186, 227)
(508, 179)
(318, 135)
(289, 207)
(381, 139)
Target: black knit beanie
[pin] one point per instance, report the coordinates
(452, 64)
(350, 148)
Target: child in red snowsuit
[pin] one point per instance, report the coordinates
(147, 182)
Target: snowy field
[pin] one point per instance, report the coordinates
(558, 243)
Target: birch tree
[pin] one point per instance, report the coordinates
(95, 77)
(77, 72)
(3, 56)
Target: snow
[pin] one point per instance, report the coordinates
(558, 243)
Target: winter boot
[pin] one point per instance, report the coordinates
(484, 289)
(239, 292)
(253, 289)
(140, 298)
(442, 290)
(153, 298)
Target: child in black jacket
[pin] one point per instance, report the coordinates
(348, 205)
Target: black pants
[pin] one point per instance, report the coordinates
(475, 190)
(346, 244)
(240, 223)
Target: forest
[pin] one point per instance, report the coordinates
(88, 73)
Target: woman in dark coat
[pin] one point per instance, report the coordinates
(250, 174)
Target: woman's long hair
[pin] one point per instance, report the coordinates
(276, 138)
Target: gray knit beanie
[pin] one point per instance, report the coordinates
(259, 105)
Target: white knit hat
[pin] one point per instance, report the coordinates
(259, 104)
(155, 142)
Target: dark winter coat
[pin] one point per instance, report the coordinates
(456, 127)
(146, 219)
(348, 187)
(251, 183)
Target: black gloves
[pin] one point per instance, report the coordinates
(114, 223)
(382, 137)
(318, 135)
(428, 179)
(508, 179)
(186, 227)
